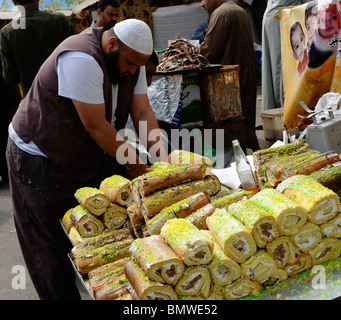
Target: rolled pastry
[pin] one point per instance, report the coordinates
(117, 189)
(321, 203)
(327, 249)
(288, 214)
(303, 262)
(74, 236)
(115, 216)
(136, 219)
(260, 222)
(113, 290)
(235, 196)
(157, 259)
(276, 276)
(144, 288)
(282, 250)
(259, 267)
(92, 199)
(186, 157)
(155, 224)
(188, 242)
(223, 269)
(86, 223)
(196, 281)
(198, 218)
(224, 191)
(240, 288)
(66, 220)
(217, 293)
(213, 184)
(332, 228)
(234, 238)
(329, 176)
(105, 270)
(307, 237)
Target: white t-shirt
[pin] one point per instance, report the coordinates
(80, 78)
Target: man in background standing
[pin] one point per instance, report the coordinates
(229, 41)
(26, 42)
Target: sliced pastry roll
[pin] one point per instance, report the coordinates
(92, 199)
(157, 259)
(188, 242)
(327, 249)
(217, 293)
(223, 269)
(261, 223)
(143, 287)
(242, 287)
(113, 290)
(213, 184)
(233, 236)
(196, 281)
(66, 221)
(117, 189)
(74, 236)
(115, 216)
(259, 267)
(282, 250)
(303, 262)
(307, 237)
(237, 195)
(332, 228)
(198, 218)
(85, 222)
(276, 276)
(321, 203)
(288, 214)
(136, 218)
(155, 224)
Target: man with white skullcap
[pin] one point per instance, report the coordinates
(65, 136)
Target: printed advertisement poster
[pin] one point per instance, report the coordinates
(311, 56)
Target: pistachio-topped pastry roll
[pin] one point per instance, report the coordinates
(66, 220)
(302, 262)
(143, 287)
(332, 228)
(115, 216)
(259, 267)
(260, 222)
(188, 242)
(327, 249)
(288, 214)
(223, 269)
(233, 236)
(235, 196)
(117, 189)
(240, 288)
(321, 203)
(157, 259)
(198, 218)
(113, 290)
(282, 250)
(74, 236)
(92, 199)
(276, 276)
(196, 281)
(213, 184)
(307, 237)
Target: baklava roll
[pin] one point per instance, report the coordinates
(307, 237)
(198, 218)
(259, 267)
(196, 281)
(327, 249)
(235, 196)
(332, 228)
(233, 236)
(117, 189)
(260, 222)
(282, 250)
(113, 290)
(74, 236)
(188, 242)
(136, 218)
(213, 184)
(321, 203)
(288, 214)
(144, 288)
(115, 216)
(276, 276)
(66, 221)
(85, 222)
(157, 259)
(155, 224)
(302, 262)
(242, 287)
(92, 199)
(223, 269)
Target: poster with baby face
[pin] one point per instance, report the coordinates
(311, 56)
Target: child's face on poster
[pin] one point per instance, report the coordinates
(328, 26)
(298, 43)
(311, 25)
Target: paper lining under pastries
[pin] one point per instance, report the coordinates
(187, 242)
(321, 203)
(240, 288)
(92, 199)
(289, 216)
(327, 249)
(332, 228)
(307, 237)
(282, 250)
(223, 269)
(117, 189)
(196, 281)
(260, 222)
(234, 238)
(157, 259)
(144, 288)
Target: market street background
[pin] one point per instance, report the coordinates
(11, 259)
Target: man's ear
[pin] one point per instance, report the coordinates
(113, 43)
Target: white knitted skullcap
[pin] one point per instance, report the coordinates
(135, 34)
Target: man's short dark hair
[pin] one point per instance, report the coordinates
(102, 4)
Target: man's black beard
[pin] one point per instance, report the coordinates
(112, 64)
